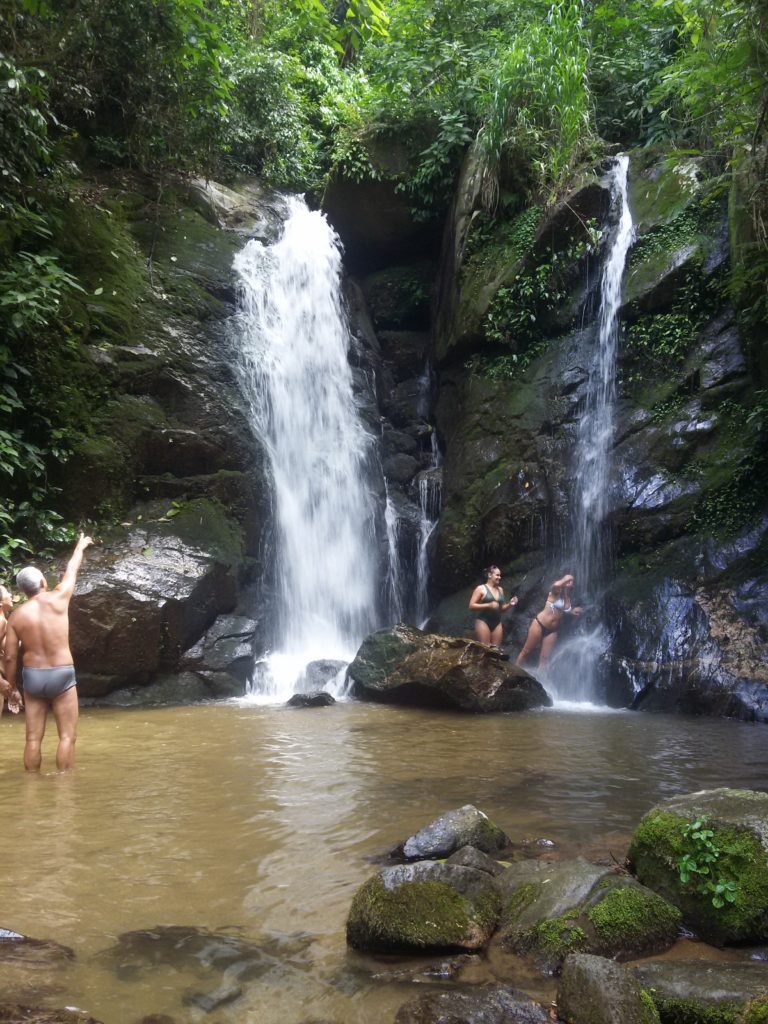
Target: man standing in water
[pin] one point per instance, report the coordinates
(41, 628)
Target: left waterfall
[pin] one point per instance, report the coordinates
(294, 340)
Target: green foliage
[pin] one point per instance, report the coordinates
(540, 107)
(516, 309)
(698, 864)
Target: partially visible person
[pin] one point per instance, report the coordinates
(542, 632)
(488, 602)
(7, 692)
(38, 632)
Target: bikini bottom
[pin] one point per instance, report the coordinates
(545, 630)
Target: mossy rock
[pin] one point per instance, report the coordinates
(739, 822)
(551, 910)
(424, 906)
(704, 991)
(398, 298)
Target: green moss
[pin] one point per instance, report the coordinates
(756, 1012)
(688, 1011)
(416, 914)
(629, 917)
(657, 846)
(99, 248)
(204, 523)
(650, 1015)
(520, 900)
(554, 939)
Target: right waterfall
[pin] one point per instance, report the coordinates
(591, 496)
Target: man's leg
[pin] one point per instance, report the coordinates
(66, 711)
(35, 712)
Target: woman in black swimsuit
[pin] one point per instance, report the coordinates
(542, 631)
(488, 602)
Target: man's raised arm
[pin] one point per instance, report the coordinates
(68, 580)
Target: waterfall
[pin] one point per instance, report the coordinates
(430, 500)
(592, 492)
(293, 340)
(394, 580)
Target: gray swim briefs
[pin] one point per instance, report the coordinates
(48, 683)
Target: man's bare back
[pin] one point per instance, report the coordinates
(39, 631)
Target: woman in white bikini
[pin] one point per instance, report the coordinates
(488, 602)
(542, 631)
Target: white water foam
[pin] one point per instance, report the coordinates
(295, 374)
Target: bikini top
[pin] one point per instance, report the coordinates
(559, 606)
(489, 598)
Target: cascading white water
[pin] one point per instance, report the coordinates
(593, 460)
(394, 581)
(295, 374)
(430, 500)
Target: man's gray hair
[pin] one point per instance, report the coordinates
(30, 580)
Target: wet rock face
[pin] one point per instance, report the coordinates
(405, 665)
(599, 991)
(683, 611)
(738, 821)
(145, 598)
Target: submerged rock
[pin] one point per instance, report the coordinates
(594, 990)
(15, 1014)
(497, 1005)
(21, 949)
(552, 909)
(428, 905)
(435, 970)
(737, 857)
(465, 827)
(198, 949)
(405, 665)
(318, 699)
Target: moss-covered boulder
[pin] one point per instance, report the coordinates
(594, 990)
(423, 906)
(487, 1005)
(407, 666)
(464, 827)
(705, 992)
(727, 901)
(551, 910)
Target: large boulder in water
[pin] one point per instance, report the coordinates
(424, 906)
(149, 594)
(552, 909)
(404, 665)
(724, 832)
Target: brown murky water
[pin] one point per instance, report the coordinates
(263, 821)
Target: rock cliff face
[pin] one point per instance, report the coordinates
(480, 341)
(686, 608)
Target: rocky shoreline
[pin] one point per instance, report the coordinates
(460, 892)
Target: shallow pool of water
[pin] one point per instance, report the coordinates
(263, 822)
